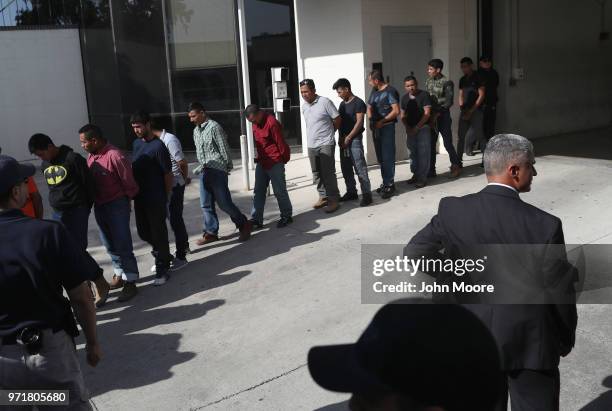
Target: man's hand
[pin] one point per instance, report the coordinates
(346, 142)
(411, 131)
(380, 124)
(94, 354)
(187, 181)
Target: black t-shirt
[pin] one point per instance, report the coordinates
(69, 180)
(470, 85)
(150, 162)
(348, 114)
(37, 259)
(413, 107)
(491, 82)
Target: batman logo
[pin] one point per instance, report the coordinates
(55, 175)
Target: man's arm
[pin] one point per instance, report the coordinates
(357, 129)
(126, 176)
(425, 118)
(82, 304)
(85, 177)
(481, 97)
(449, 93)
(220, 139)
(337, 122)
(461, 100)
(281, 144)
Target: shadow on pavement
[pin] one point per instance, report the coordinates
(340, 406)
(604, 401)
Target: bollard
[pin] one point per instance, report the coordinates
(244, 157)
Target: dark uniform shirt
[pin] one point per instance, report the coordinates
(37, 259)
(150, 162)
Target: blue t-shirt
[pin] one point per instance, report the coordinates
(381, 101)
(150, 163)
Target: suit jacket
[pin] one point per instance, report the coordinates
(529, 336)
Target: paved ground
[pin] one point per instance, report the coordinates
(231, 331)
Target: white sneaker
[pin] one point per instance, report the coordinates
(160, 280)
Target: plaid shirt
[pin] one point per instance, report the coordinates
(212, 148)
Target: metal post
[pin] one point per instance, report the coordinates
(244, 58)
(244, 157)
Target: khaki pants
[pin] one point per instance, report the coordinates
(56, 367)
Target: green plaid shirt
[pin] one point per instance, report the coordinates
(211, 147)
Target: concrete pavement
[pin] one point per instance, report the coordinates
(231, 330)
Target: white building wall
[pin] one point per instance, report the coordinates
(42, 88)
(454, 35)
(567, 85)
(329, 46)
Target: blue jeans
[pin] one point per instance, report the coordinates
(356, 160)
(76, 221)
(263, 177)
(384, 145)
(113, 218)
(420, 152)
(214, 189)
(175, 213)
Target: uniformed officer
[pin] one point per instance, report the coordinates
(37, 326)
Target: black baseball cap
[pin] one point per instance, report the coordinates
(435, 355)
(13, 173)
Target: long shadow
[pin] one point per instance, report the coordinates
(339, 406)
(595, 144)
(604, 401)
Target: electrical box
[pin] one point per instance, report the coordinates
(280, 74)
(282, 105)
(280, 89)
(518, 73)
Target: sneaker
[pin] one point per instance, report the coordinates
(116, 282)
(380, 189)
(161, 280)
(284, 222)
(128, 292)
(256, 224)
(349, 197)
(245, 231)
(388, 192)
(177, 264)
(320, 204)
(207, 239)
(332, 206)
(366, 200)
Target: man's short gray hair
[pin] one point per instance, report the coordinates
(504, 149)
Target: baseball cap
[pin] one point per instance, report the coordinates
(12, 173)
(436, 355)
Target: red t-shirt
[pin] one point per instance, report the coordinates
(28, 208)
(271, 146)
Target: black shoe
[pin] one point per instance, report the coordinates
(432, 175)
(388, 192)
(366, 200)
(380, 189)
(256, 224)
(284, 222)
(421, 184)
(412, 180)
(349, 197)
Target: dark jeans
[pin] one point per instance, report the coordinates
(175, 209)
(151, 227)
(214, 190)
(263, 177)
(323, 167)
(420, 146)
(488, 122)
(470, 131)
(531, 390)
(113, 218)
(76, 221)
(384, 145)
(444, 126)
(355, 160)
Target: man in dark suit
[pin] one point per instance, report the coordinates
(531, 337)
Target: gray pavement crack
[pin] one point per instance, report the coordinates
(227, 397)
